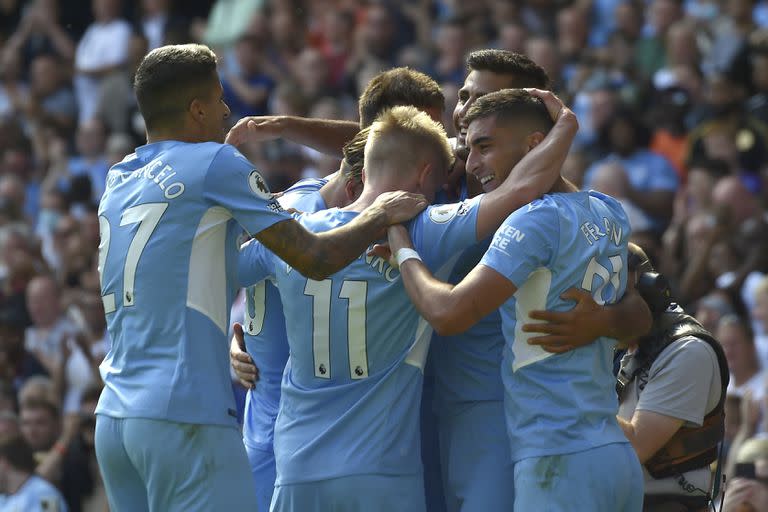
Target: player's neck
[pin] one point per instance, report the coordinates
(333, 192)
(161, 135)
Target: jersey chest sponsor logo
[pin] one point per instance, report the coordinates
(443, 214)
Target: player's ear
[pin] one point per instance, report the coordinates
(352, 190)
(534, 139)
(197, 109)
(426, 170)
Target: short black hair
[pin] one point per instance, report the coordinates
(169, 78)
(523, 72)
(514, 105)
(398, 87)
(18, 453)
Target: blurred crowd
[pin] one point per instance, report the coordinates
(672, 98)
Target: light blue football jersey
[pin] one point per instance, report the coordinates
(352, 386)
(466, 365)
(170, 222)
(264, 329)
(35, 495)
(558, 404)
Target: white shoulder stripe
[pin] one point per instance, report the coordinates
(207, 281)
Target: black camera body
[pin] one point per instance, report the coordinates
(655, 291)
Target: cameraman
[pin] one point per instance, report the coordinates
(671, 387)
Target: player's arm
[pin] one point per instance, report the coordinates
(536, 173)
(450, 309)
(561, 331)
(325, 135)
(648, 431)
(318, 255)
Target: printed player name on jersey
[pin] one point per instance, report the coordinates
(381, 266)
(161, 175)
(505, 235)
(377, 263)
(612, 229)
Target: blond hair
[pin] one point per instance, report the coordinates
(403, 137)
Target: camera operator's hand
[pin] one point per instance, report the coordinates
(744, 495)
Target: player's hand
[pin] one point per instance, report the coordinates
(399, 206)
(246, 371)
(566, 330)
(382, 251)
(399, 238)
(254, 129)
(555, 106)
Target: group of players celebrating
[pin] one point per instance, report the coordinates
(471, 238)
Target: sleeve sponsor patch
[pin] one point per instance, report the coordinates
(258, 186)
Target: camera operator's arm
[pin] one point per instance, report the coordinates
(648, 432)
(629, 319)
(671, 397)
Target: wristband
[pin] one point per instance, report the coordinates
(406, 253)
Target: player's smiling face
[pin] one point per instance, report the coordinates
(494, 149)
(476, 85)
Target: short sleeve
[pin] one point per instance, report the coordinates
(524, 242)
(254, 264)
(234, 183)
(673, 391)
(443, 231)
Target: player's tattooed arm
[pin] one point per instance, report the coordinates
(318, 255)
(561, 331)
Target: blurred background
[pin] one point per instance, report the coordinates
(672, 97)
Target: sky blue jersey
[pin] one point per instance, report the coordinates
(35, 495)
(352, 386)
(264, 328)
(558, 404)
(171, 219)
(466, 366)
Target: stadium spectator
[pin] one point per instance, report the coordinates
(102, 50)
(247, 89)
(20, 487)
(748, 491)
(652, 180)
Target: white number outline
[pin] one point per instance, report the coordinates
(255, 296)
(356, 295)
(148, 216)
(608, 276)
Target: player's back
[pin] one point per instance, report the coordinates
(568, 240)
(352, 386)
(170, 220)
(264, 331)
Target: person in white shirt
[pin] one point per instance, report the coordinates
(102, 50)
